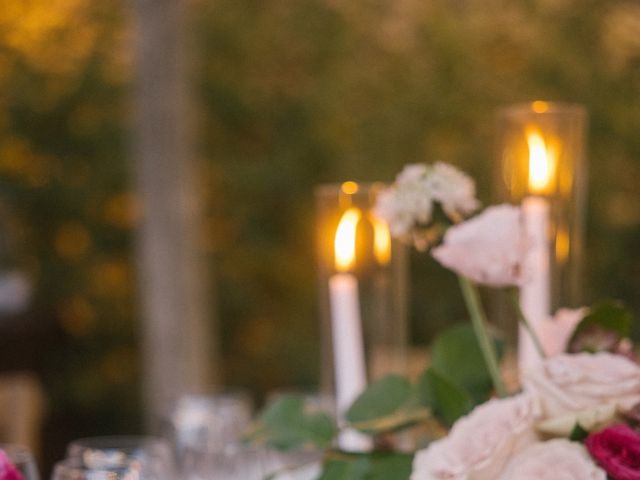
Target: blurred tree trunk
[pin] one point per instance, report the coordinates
(173, 275)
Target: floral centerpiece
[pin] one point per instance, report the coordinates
(574, 416)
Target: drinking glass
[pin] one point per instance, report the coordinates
(71, 469)
(130, 457)
(233, 462)
(210, 420)
(206, 427)
(22, 458)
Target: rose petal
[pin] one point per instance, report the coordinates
(590, 420)
(617, 450)
(557, 459)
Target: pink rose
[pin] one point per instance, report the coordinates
(569, 461)
(7, 470)
(571, 383)
(617, 450)
(480, 444)
(556, 331)
(585, 388)
(488, 248)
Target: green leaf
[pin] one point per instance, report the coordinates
(611, 318)
(395, 466)
(373, 466)
(578, 434)
(355, 468)
(381, 398)
(447, 400)
(387, 405)
(286, 424)
(456, 355)
(403, 418)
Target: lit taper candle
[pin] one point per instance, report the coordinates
(348, 348)
(535, 293)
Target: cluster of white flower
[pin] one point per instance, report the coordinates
(409, 202)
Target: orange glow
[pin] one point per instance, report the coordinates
(540, 106)
(381, 240)
(345, 241)
(350, 188)
(562, 245)
(542, 163)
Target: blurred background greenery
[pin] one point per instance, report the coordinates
(291, 93)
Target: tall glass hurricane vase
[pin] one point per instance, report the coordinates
(542, 166)
(362, 286)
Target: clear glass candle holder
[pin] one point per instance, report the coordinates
(541, 165)
(360, 268)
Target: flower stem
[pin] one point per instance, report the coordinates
(479, 323)
(522, 319)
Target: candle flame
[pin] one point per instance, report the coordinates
(381, 240)
(345, 241)
(541, 162)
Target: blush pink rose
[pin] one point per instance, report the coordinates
(617, 450)
(556, 331)
(584, 387)
(573, 383)
(8, 471)
(487, 248)
(481, 443)
(570, 461)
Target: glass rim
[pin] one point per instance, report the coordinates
(76, 471)
(211, 397)
(115, 442)
(333, 188)
(542, 107)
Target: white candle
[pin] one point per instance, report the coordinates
(348, 351)
(535, 293)
(346, 325)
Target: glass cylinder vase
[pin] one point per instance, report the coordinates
(542, 167)
(362, 286)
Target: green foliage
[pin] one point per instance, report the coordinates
(578, 434)
(603, 327)
(387, 405)
(456, 355)
(380, 466)
(456, 381)
(447, 400)
(287, 424)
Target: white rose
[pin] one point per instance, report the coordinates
(480, 444)
(553, 460)
(586, 388)
(556, 331)
(488, 248)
